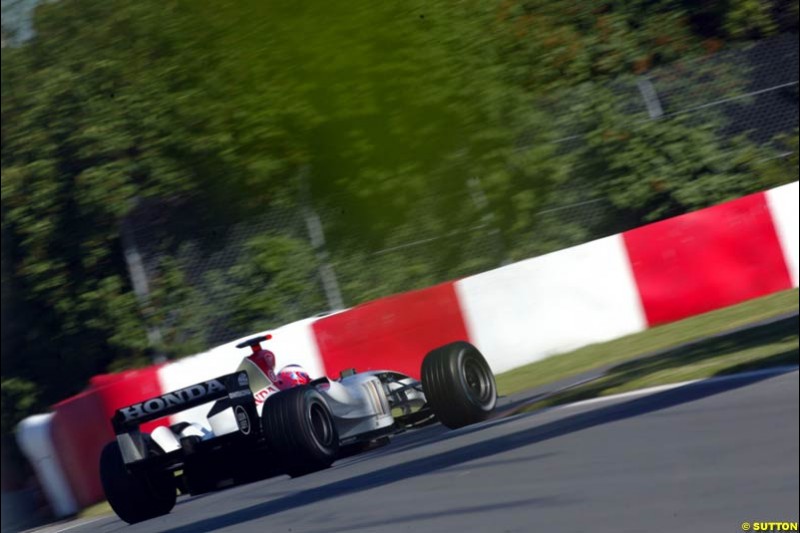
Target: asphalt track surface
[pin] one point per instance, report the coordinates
(705, 457)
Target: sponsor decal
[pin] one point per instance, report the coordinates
(178, 397)
(263, 394)
(242, 420)
(242, 379)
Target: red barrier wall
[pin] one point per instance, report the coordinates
(707, 259)
(80, 430)
(391, 333)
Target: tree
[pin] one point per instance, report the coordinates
(653, 169)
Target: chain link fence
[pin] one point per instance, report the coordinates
(754, 91)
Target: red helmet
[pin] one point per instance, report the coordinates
(292, 376)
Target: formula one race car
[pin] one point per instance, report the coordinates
(265, 423)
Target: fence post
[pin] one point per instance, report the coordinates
(316, 234)
(650, 97)
(141, 288)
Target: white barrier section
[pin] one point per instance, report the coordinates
(551, 304)
(35, 440)
(783, 204)
(292, 344)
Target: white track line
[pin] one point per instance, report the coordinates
(659, 388)
(66, 525)
(84, 523)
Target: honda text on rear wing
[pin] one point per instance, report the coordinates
(232, 389)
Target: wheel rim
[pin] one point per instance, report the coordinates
(321, 426)
(477, 379)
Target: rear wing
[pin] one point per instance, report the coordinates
(236, 387)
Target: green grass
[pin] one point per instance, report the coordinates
(98, 509)
(770, 345)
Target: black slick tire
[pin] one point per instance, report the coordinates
(459, 385)
(135, 497)
(300, 430)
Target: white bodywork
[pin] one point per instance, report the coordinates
(359, 402)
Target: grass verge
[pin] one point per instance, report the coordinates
(768, 345)
(98, 509)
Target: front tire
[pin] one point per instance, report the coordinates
(459, 385)
(135, 497)
(300, 430)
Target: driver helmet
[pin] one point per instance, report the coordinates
(292, 376)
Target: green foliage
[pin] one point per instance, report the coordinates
(652, 169)
(784, 165)
(19, 398)
(558, 43)
(748, 18)
(178, 309)
(272, 284)
(408, 102)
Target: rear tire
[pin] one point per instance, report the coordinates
(300, 430)
(459, 385)
(135, 497)
(199, 476)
